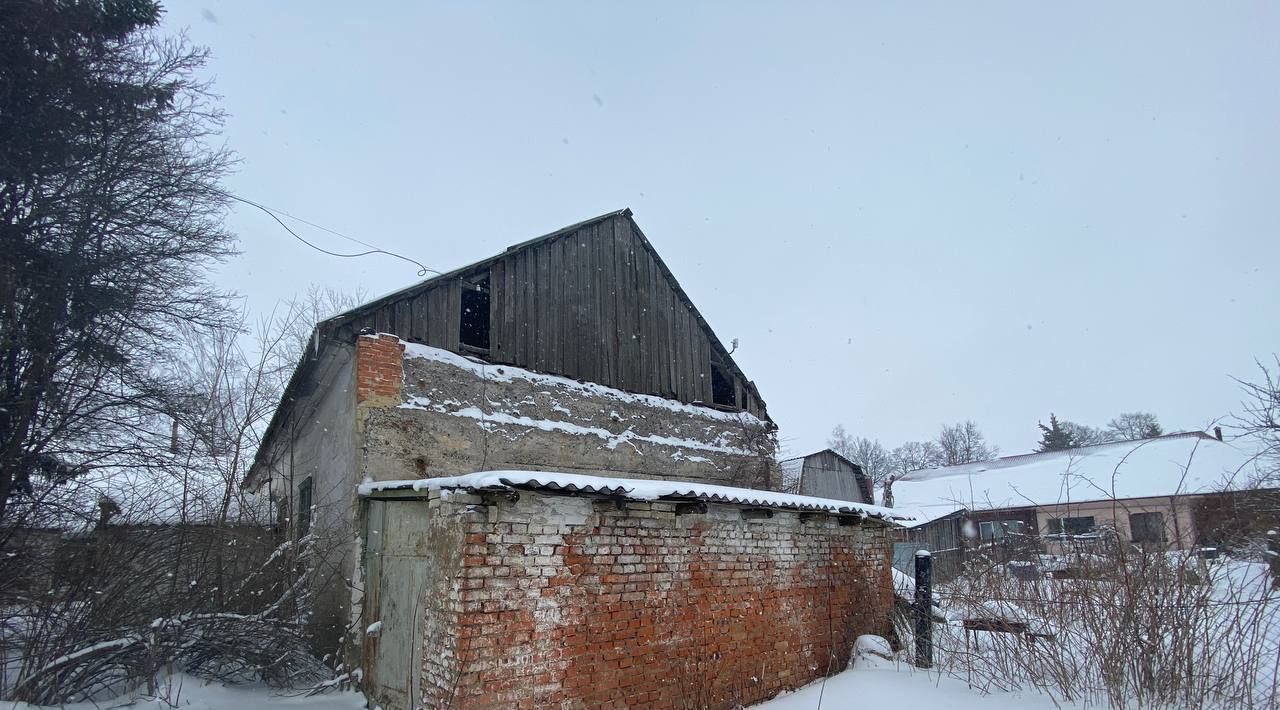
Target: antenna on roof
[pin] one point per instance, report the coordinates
(733, 349)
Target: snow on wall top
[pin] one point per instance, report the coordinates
(506, 373)
(1175, 464)
(633, 489)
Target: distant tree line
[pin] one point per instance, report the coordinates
(1258, 420)
(1061, 434)
(962, 442)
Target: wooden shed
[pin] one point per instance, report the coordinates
(827, 474)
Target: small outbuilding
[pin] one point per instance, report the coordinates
(827, 474)
(523, 589)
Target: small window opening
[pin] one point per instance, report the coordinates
(1072, 526)
(473, 331)
(303, 514)
(988, 530)
(722, 391)
(1147, 527)
(999, 529)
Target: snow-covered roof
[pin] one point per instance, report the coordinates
(632, 489)
(917, 515)
(1175, 464)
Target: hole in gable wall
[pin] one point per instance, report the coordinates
(722, 391)
(473, 328)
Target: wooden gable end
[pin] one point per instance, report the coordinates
(593, 302)
(827, 474)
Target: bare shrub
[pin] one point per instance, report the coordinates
(161, 561)
(1131, 628)
(760, 440)
(118, 613)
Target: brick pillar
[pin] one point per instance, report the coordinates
(379, 370)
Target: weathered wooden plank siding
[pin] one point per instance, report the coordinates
(826, 476)
(570, 306)
(593, 304)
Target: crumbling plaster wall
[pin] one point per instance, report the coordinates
(456, 416)
(318, 440)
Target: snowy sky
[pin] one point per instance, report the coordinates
(908, 214)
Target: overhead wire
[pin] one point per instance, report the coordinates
(275, 214)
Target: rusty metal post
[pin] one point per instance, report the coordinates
(924, 609)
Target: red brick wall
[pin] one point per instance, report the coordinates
(573, 604)
(379, 369)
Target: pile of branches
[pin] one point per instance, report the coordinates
(222, 603)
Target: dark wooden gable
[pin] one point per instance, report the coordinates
(593, 302)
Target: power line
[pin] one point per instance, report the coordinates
(320, 227)
(423, 270)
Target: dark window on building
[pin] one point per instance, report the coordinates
(302, 516)
(1147, 527)
(281, 525)
(997, 529)
(722, 391)
(1072, 526)
(473, 329)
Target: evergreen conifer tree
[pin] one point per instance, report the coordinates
(1054, 437)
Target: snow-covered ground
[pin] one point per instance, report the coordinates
(190, 693)
(1246, 610)
(875, 683)
(1241, 645)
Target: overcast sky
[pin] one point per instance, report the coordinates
(908, 214)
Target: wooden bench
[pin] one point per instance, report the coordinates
(1001, 626)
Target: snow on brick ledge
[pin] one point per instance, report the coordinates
(507, 373)
(632, 489)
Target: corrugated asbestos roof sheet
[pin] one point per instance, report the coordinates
(635, 489)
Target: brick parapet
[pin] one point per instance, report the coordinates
(379, 370)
